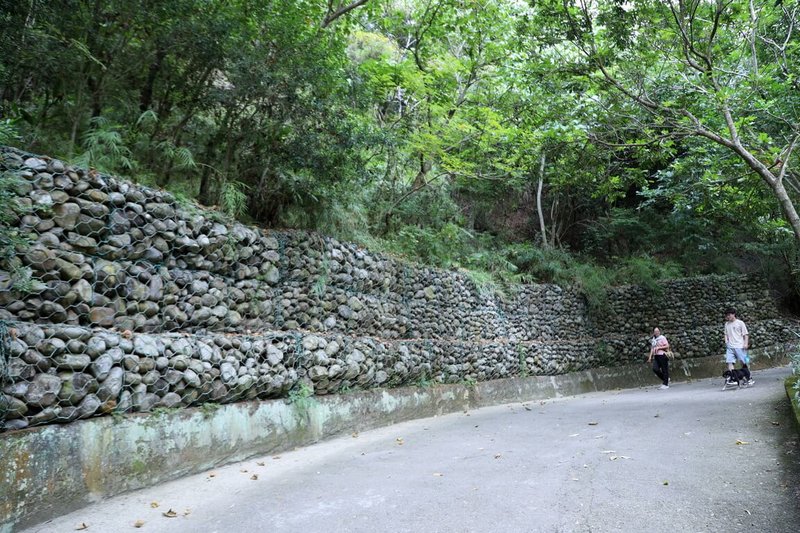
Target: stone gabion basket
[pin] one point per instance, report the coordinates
(124, 298)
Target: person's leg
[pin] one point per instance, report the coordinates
(730, 358)
(663, 369)
(657, 368)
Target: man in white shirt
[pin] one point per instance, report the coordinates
(737, 340)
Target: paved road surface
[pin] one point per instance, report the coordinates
(689, 459)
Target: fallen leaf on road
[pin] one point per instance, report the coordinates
(438, 474)
(277, 457)
(615, 457)
(138, 523)
(574, 434)
(527, 407)
(254, 477)
(170, 514)
(497, 456)
(741, 442)
(82, 525)
(243, 470)
(592, 423)
(608, 451)
(774, 423)
(187, 512)
(355, 435)
(399, 441)
(154, 504)
(665, 482)
(260, 463)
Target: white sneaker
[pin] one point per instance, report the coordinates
(662, 387)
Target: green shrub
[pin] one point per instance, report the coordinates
(12, 240)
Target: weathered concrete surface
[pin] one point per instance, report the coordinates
(692, 458)
(53, 470)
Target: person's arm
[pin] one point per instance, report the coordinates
(745, 335)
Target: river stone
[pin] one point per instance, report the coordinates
(75, 386)
(102, 316)
(96, 196)
(40, 258)
(43, 390)
(318, 372)
(355, 357)
(102, 366)
(88, 406)
(311, 342)
(271, 274)
(84, 290)
(172, 376)
(228, 373)
(66, 215)
(35, 164)
(274, 355)
(14, 408)
(179, 362)
(191, 378)
(143, 401)
(46, 415)
(95, 347)
(171, 399)
(355, 304)
(73, 361)
(153, 255)
(146, 345)
(150, 377)
(41, 199)
(352, 371)
(146, 364)
(51, 347)
(112, 384)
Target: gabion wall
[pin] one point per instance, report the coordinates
(136, 300)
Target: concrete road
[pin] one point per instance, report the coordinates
(688, 459)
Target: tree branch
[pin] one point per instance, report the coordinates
(335, 13)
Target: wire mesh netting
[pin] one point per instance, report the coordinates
(120, 298)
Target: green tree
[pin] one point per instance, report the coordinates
(721, 71)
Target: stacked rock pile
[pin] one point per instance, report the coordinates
(127, 298)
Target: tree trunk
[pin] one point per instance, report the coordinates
(424, 168)
(542, 226)
(146, 97)
(787, 206)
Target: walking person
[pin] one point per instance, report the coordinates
(658, 355)
(737, 341)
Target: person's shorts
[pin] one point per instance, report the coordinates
(732, 354)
